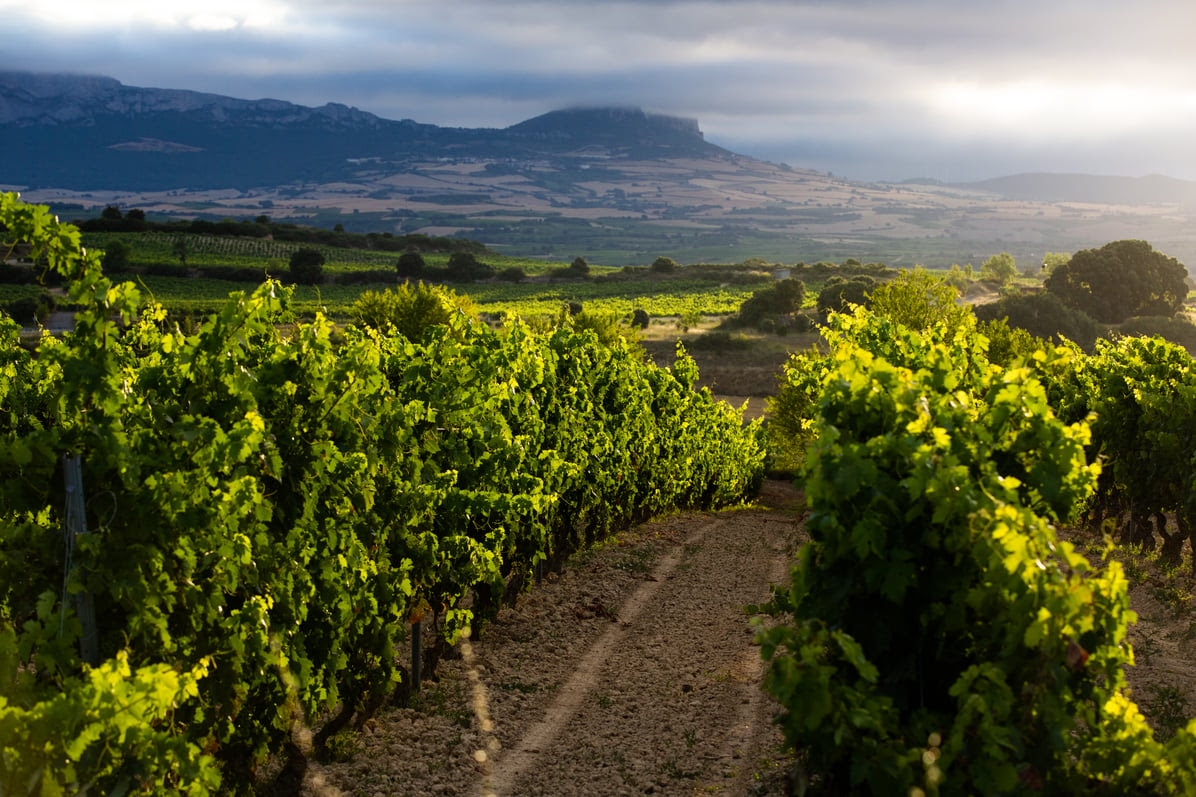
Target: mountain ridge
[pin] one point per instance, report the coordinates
(85, 132)
(1079, 187)
(619, 180)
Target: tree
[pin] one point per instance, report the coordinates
(579, 267)
(1001, 268)
(664, 265)
(410, 264)
(920, 301)
(111, 213)
(779, 299)
(1119, 280)
(465, 267)
(838, 293)
(1052, 261)
(307, 266)
(116, 257)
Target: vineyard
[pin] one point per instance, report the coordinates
(937, 636)
(674, 298)
(254, 518)
(215, 540)
(266, 254)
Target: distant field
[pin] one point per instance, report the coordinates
(657, 298)
(156, 249)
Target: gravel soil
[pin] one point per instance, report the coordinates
(634, 671)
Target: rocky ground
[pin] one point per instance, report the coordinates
(632, 672)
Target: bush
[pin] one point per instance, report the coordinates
(921, 301)
(639, 318)
(307, 266)
(410, 265)
(31, 307)
(607, 326)
(512, 274)
(664, 265)
(116, 257)
(409, 309)
(719, 340)
(792, 411)
(779, 299)
(465, 267)
(1044, 315)
(579, 267)
(839, 293)
(1007, 345)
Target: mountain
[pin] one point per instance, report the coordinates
(1096, 189)
(617, 185)
(85, 133)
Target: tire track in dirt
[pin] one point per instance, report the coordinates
(584, 679)
(670, 703)
(633, 672)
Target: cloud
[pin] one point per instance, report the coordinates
(1010, 81)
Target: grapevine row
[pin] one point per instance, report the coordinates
(268, 510)
(937, 636)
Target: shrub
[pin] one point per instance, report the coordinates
(465, 267)
(1001, 268)
(512, 274)
(116, 257)
(607, 326)
(779, 299)
(639, 318)
(1044, 315)
(307, 266)
(664, 265)
(921, 301)
(1007, 345)
(409, 309)
(29, 308)
(839, 293)
(409, 265)
(579, 267)
(792, 411)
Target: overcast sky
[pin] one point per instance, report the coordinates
(950, 89)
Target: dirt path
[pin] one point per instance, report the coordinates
(633, 672)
